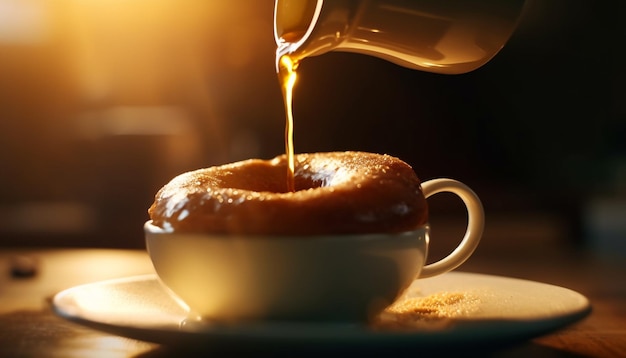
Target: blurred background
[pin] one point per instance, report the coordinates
(103, 101)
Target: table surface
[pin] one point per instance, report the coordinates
(30, 277)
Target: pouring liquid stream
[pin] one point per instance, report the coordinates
(287, 75)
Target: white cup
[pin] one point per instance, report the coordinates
(340, 278)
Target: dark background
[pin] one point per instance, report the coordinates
(102, 102)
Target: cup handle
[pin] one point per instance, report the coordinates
(475, 225)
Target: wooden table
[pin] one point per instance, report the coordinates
(29, 278)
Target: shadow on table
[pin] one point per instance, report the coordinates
(47, 334)
(523, 349)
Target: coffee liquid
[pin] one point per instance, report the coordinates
(287, 78)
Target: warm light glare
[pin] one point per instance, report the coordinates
(106, 346)
(431, 64)
(132, 49)
(23, 22)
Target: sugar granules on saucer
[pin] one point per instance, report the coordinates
(432, 312)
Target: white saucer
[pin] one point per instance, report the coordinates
(501, 310)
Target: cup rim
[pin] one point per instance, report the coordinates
(153, 230)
